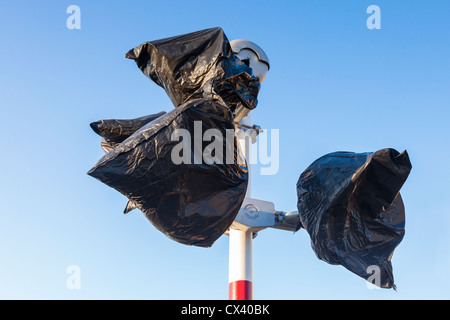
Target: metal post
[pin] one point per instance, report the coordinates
(240, 285)
(240, 265)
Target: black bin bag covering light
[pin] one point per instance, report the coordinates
(193, 202)
(198, 65)
(350, 205)
(114, 131)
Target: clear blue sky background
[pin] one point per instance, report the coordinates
(333, 85)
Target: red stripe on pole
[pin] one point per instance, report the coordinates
(240, 290)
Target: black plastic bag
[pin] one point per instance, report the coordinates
(352, 209)
(118, 130)
(115, 131)
(198, 65)
(193, 203)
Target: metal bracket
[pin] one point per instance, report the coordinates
(256, 215)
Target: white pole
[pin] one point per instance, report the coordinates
(240, 286)
(240, 265)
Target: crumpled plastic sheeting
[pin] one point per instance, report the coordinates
(115, 131)
(198, 65)
(118, 130)
(193, 204)
(350, 205)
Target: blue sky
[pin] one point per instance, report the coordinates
(333, 85)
